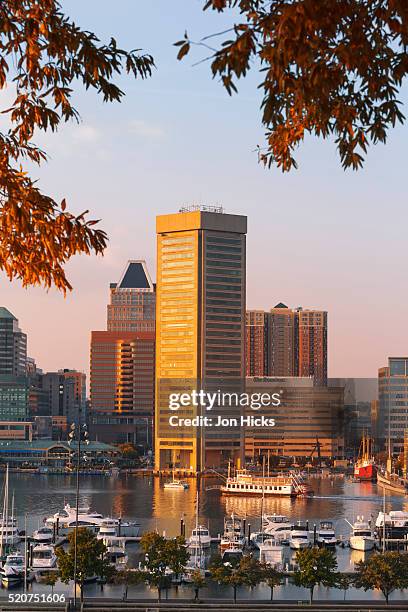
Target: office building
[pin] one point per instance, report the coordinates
(287, 342)
(200, 329)
(122, 386)
(308, 421)
(393, 404)
(133, 300)
(13, 369)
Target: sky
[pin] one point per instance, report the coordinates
(318, 237)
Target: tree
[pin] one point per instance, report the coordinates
(344, 582)
(247, 572)
(383, 571)
(198, 582)
(272, 577)
(128, 577)
(42, 54)
(315, 566)
(162, 555)
(327, 68)
(91, 559)
(51, 579)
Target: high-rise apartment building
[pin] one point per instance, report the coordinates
(122, 386)
(133, 300)
(200, 328)
(312, 344)
(287, 342)
(13, 369)
(392, 415)
(255, 337)
(122, 361)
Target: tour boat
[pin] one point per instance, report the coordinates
(43, 535)
(271, 553)
(365, 468)
(92, 520)
(299, 537)
(326, 536)
(362, 536)
(246, 483)
(200, 538)
(12, 571)
(44, 557)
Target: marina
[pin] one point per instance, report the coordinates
(144, 503)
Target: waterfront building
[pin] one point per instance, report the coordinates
(133, 300)
(200, 329)
(287, 342)
(49, 453)
(122, 386)
(16, 430)
(308, 416)
(393, 403)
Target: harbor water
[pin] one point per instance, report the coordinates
(143, 499)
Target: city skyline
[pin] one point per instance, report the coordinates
(318, 236)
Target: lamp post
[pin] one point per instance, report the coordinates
(78, 433)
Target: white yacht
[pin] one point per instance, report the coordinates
(200, 538)
(177, 485)
(326, 535)
(44, 557)
(299, 537)
(12, 571)
(271, 553)
(9, 534)
(362, 536)
(232, 554)
(233, 533)
(93, 520)
(43, 535)
(278, 526)
(259, 537)
(107, 531)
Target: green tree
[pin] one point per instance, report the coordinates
(50, 579)
(91, 559)
(246, 572)
(43, 54)
(330, 68)
(128, 577)
(272, 577)
(162, 555)
(198, 582)
(316, 566)
(383, 571)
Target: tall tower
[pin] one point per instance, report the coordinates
(281, 332)
(312, 344)
(13, 369)
(200, 327)
(133, 300)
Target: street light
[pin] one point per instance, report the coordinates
(77, 433)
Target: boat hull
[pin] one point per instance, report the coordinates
(392, 485)
(363, 544)
(365, 472)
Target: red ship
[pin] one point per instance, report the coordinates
(365, 467)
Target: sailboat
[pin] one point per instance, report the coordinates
(365, 468)
(176, 484)
(200, 537)
(9, 534)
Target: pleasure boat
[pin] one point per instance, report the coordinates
(299, 537)
(44, 557)
(9, 533)
(12, 571)
(93, 520)
(326, 536)
(107, 530)
(176, 485)
(232, 554)
(362, 536)
(43, 535)
(233, 533)
(259, 537)
(278, 526)
(271, 553)
(396, 524)
(200, 538)
(116, 554)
